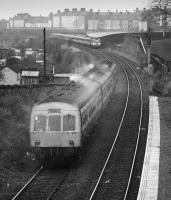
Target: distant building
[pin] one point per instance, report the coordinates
(3, 56)
(10, 75)
(166, 3)
(38, 22)
(84, 21)
(3, 62)
(6, 43)
(29, 52)
(18, 21)
(30, 77)
(4, 24)
(81, 20)
(17, 52)
(62, 78)
(169, 4)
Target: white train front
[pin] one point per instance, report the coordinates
(63, 120)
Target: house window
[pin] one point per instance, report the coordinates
(1, 75)
(18, 77)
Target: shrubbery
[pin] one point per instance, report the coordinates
(15, 110)
(162, 86)
(13, 130)
(15, 151)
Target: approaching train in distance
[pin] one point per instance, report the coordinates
(89, 41)
(60, 123)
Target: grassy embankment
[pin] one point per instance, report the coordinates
(16, 156)
(160, 80)
(162, 83)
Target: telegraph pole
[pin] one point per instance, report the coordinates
(148, 40)
(44, 46)
(165, 17)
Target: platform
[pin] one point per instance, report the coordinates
(150, 175)
(102, 34)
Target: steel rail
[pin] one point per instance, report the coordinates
(23, 188)
(113, 145)
(137, 142)
(139, 129)
(52, 194)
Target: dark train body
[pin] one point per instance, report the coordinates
(61, 122)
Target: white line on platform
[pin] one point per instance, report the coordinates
(149, 179)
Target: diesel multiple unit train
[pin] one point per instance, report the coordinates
(61, 122)
(89, 41)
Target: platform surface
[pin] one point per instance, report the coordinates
(150, 175)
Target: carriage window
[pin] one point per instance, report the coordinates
(69, 123)
(54, 123)
(39, 123)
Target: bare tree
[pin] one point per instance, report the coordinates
(161, 8)
(158, 15)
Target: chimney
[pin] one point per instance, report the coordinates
(82, 9)
(74, 10)
(66, 10)
(127, 12)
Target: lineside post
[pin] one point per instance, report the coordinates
(44, 46)
(148, 51)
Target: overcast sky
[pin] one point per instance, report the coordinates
(8, 8)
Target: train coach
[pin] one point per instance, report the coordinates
(60, 123)
(82, 40)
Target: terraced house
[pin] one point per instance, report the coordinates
(81, 20)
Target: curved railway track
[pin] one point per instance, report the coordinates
(117, 175)
(125, 144)
(126, 141)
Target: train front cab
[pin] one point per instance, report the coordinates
(55, 125)
(95, 42)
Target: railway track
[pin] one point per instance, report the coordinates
(124, 149)
(118, 174)
(43, 185)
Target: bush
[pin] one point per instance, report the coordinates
(13, 129)
(15, 110)
(163, 85)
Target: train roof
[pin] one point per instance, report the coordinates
(77, 93)
(74, 93)
(59, 35)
